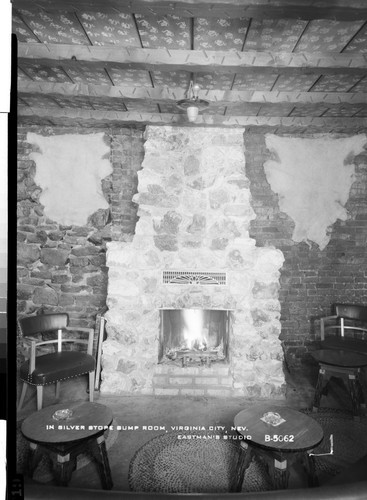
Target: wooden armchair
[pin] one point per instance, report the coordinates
(343, 352)
(51, 368)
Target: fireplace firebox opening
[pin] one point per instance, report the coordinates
(194, 336)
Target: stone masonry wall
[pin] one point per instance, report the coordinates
(311, 280)
(63, 268)
(194, 213)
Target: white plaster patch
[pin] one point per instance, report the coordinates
(69, 171)
(312, 181)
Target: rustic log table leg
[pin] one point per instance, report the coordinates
(319, 389)
(354, 394)
(244, 459)
(63, 468)
(359, 385)
(34, 458)
(309, 464)
(280, 474)
(99, 451)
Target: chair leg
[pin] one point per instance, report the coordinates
(39, 397)
(91, 386)
(22, 396)
(57, 390)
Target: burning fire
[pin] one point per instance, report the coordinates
(193, 329)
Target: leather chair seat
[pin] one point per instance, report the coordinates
(53, 367)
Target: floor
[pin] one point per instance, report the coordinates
(160, 411)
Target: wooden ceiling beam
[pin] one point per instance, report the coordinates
(343, 10)
(193, 60)
(109, 118)
(164, 95)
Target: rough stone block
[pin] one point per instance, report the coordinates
(27, 253)
(45, 295)
(166, 242)
(219, 243)
(79, 261)
(67, 288)
(197, 225)
(98, 260)
(22, 272)
(191, 165)
(33, 281)
(60, 278)
(125, 366)
(42, 272)
(169, 224)
(98, 280)
(85, 250)
(218, 198)
(100, 218)
(56, 235)
(21, 236)
(38, 237)
(54, 256)
(24, 292)
(65, 300)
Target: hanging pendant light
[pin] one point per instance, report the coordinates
(192, 104)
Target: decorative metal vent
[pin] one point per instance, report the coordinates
(194, 278)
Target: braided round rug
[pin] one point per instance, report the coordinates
(43, 472)
(349, 437)
(167, 464)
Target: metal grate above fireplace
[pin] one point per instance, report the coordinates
(194, 278)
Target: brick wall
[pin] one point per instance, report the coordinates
(311, 280)
(63, 268)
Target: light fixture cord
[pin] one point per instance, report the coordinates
(190, 92)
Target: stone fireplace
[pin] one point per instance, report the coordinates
(191, 251)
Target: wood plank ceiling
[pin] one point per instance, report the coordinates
(297, 65)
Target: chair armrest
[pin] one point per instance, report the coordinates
(28, 340)
(328, 318)
(32, 357)
(90, 332)
(78, 329)
(32, 345)
(324, 320)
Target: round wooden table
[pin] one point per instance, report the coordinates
(346, 365)
(63, 440)
(280, 445)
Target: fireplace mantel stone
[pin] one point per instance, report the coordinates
(194, 214)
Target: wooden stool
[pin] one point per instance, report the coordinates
(345, 365)
(64, 440)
